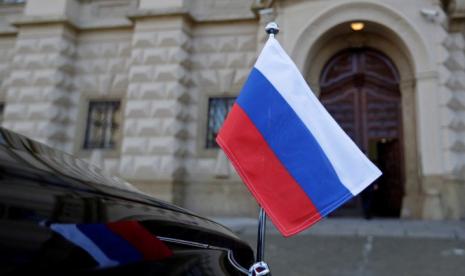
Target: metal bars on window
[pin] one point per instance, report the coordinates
(218, 108)
(102, 125)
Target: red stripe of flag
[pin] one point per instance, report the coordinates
(147, 244)
(278, 193)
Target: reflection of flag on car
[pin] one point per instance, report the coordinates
(115, 243)
(295, 159)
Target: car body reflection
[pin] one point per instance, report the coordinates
(40, 187)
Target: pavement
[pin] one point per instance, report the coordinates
(362, 247)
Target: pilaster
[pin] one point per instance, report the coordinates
(454, 189)
(40, 99)
(155, 112)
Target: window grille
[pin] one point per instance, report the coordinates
(218, 108)
(102, 125)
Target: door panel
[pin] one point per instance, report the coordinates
(360, 89)
(342, 106)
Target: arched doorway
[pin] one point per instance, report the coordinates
(360, 89)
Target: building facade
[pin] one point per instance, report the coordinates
(141, 87)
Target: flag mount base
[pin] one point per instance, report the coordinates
(259, 269)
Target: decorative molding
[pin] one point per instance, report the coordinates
(8, 30)
(111, 23)
(258, 5)
(25, 20)
(138, 14)
(87, 21)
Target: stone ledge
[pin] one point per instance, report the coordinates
(111, 23)
(223, 18)
(26, 20)
(8, 30)
(121, 22)
(139, 14)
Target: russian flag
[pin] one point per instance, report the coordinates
(115, 243)
(292, 155)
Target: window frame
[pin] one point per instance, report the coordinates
(202, 123)
(87, 144)
(207, 130)
(82, 125)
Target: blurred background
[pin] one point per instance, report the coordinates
(140, 88)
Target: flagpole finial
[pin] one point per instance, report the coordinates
(272, 29)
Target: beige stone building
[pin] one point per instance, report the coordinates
(141, 87)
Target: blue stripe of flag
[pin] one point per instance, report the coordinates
(292, 142)
(115, 247)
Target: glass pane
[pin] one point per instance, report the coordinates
(218, 108)
(2, 107)
(101, 126)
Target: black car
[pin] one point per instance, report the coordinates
(61, 216)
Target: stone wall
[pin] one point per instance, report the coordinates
(221, 61)
(101, 73)
(161, 60)
(453, 193)
(7, 45)
(221, 9)
(455, 83)
(222, 58)
(155, 112)
(164, 59)
(455, 44)
(432, 105)
(40, 98)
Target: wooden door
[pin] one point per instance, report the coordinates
(360, 89)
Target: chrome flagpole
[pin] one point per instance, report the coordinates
(260, 268)
(261, 236)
